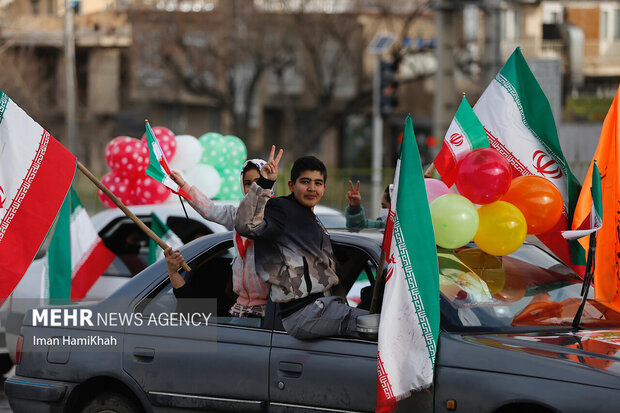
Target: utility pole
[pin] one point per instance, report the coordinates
(70, 81)
(380, 44)
(446, 96)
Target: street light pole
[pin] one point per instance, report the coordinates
(69, 63)
(377, 140)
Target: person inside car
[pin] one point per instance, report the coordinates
(294, 252)
(355, 214)
(251, 289)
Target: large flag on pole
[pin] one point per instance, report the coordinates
(76, 256)
(519, 123)
(607, 270)
(158, 168)
(409, 326)
(36, 172)
(465, 134)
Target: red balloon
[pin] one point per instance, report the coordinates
(126, 156)
(149, 191)
(538, 199)
(483, 176)
(166, 139)
(120, 186)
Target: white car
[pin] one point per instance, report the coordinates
(130, 244)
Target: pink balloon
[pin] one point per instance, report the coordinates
(166, 139)
(149, 191)
(126, 156)
(120, 186)
(483, 176)
(435, 188)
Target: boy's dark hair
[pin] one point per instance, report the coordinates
(387, 194)
(308, 163)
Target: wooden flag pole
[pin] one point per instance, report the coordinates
(127, 212)
(379, 280)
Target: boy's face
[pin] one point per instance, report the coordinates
(309, 187)
(249, 177)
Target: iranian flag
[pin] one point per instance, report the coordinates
(465, 134)
(409, 326)
(35, 175)
(164, 232)
(519, 124)
(594, 221)
(76, 256)
(158, 168)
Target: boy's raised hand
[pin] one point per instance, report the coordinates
(354, 198)
(270, 169)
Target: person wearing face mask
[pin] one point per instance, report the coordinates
(355, 215)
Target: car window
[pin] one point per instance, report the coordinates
(356, 271)
(209, 280)
(523, 291)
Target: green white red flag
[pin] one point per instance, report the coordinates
(158, 168)
(465, 134)
(519, 124)
(76, 256)
(409, 326)
(164, 232)
(36, 172)
(595, 221)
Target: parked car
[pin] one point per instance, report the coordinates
(130, 244)
(506, 344)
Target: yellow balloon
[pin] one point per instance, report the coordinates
(488, 267)
(502, 228)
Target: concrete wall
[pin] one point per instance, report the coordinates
(579, 141)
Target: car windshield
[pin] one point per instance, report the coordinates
(526, 290)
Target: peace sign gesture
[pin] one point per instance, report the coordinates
(353, 196)
(270, 169)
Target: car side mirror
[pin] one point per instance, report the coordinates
(368, 326)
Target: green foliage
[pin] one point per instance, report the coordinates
(586, 109)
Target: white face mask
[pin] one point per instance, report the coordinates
(383, 214)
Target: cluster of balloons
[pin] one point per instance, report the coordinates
(508, 209)
(211, 163)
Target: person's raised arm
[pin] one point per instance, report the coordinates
(173, 261)
(221, 214)
(253, 220)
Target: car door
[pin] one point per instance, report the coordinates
(221, 364)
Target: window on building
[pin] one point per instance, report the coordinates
(604, 25)
(35, 6)
(617, 24)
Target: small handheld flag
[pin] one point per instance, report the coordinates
(158, 168)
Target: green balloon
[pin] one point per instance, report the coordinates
(212, 154)
(455, 220)
(235, 152)
(230, 189)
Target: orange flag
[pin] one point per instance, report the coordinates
(607, 258)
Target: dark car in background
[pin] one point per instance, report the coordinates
(506, 345)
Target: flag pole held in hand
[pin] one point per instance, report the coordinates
(127, 212)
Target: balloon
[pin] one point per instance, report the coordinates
(483, 176)
(488, 267)
(231, 186)
(188, 153)
(166, 140)
(205, 178)
(126, 156)
(120, 186)
(502, 228)
(150, 191)
(211, 155)
(435, 188)
(234, 151)
(539, 201)
(455, 220)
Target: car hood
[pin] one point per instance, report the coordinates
(588, 356)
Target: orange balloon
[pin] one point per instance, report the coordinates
(539, 201)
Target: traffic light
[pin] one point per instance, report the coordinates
(388, 87)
